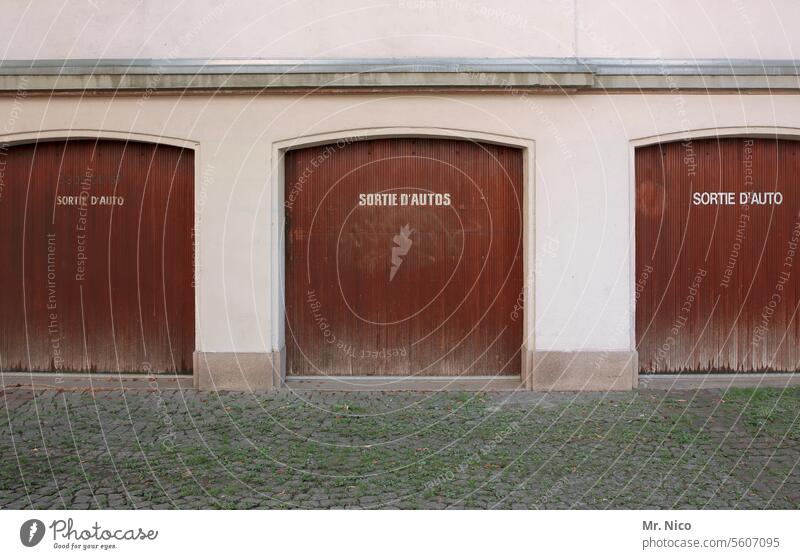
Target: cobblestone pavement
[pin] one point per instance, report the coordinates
(187, 449)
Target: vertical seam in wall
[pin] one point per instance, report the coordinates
(632, 248)
(197, 242)
(277, 249)
(529, 234)
(575, 28)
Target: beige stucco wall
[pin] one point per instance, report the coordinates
(582, 186)
(33, 29)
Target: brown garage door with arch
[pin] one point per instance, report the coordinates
(717, 235)
(96, 257)
(404, 257)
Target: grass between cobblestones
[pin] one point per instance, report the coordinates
(646, 449)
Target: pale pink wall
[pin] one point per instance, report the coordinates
(32, 29)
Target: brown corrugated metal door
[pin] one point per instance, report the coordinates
(96, 257)
(404, 257)
(717, 232)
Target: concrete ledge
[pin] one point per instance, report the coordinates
(550, 363)
(98, 381)
(418, 384)
(237, 371)
(581, 370)
(253, 76)
(718, 380)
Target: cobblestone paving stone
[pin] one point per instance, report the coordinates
(188, 449)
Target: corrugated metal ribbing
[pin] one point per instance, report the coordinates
(449, 306)
(717, 234)
(97, 257)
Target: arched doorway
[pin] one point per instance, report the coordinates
(717, 233)
(404, 257)
(97, 257)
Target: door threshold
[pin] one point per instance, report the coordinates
(100, 381)
(399, 383)
(692, 381)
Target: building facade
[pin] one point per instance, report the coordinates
(555, 195)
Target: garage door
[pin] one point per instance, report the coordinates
(717, 232)
(97, 257)
(404, 258)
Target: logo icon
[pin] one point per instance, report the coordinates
(403, 242)
(31, 532)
